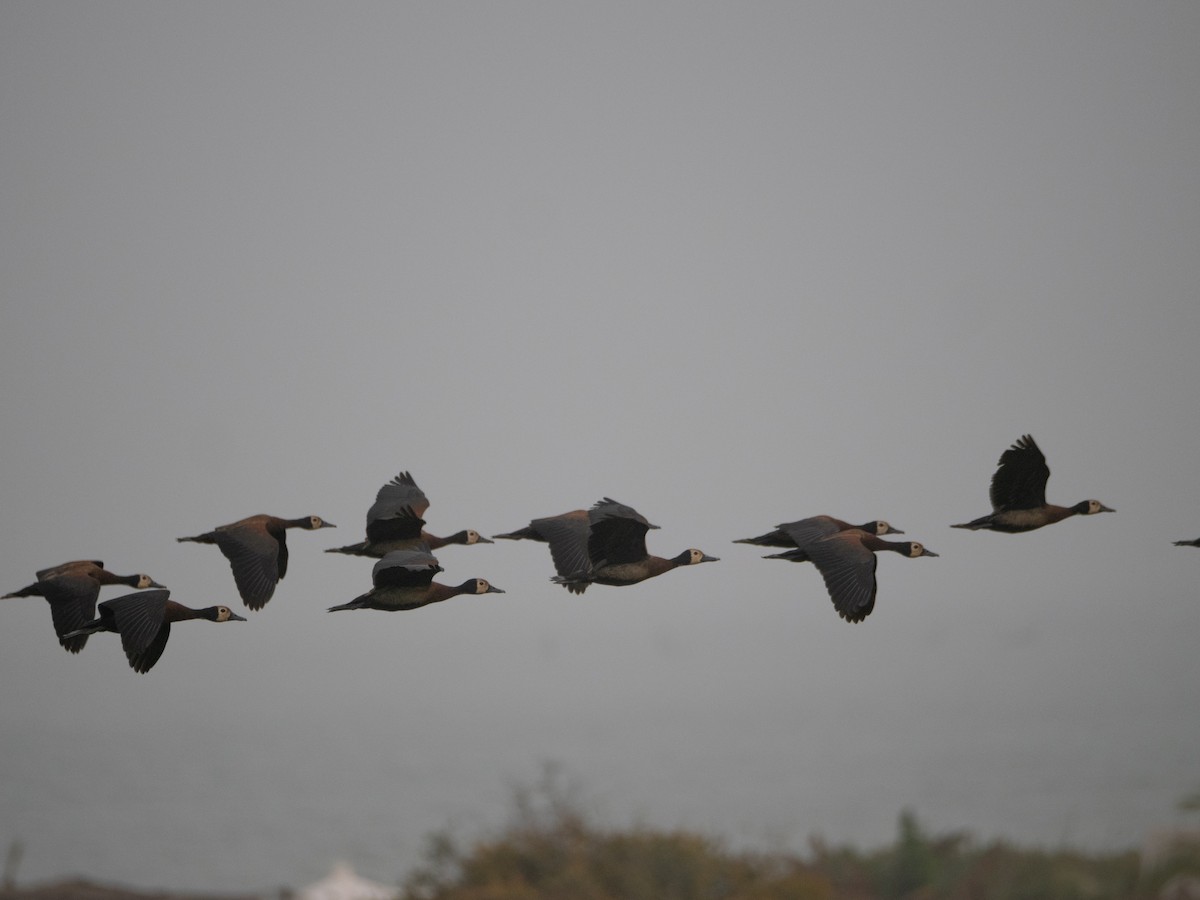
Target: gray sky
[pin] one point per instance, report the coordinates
(732, 265)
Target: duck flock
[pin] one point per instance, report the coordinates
(605, 544)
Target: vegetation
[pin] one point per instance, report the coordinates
(550, 851)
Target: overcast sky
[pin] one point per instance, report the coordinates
(731, 264)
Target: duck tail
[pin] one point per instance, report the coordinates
(359, 549)
(32, 590)
(799, 554)
(208, 538)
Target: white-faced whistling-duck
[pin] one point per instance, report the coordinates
(1018, 494)
(71, 589)
(144, 622)
(256, 548)
(799, 534)
(395, 522)
(603, 545)
(846, 560)
(403, 579)
(1195, 543)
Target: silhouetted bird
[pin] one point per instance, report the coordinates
(256, 548)
(72, 589)
(403, 579)
(798, 535)
(395, 522)
(603, 545)
(1195, 543)
(144, 623)
(1018, 494)
(847, 561)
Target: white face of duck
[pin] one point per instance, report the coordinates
(695, 556)
(1095, 506)
(916, 549)
(225, 614)
(474, 537)
(315, 522)
(483, 586)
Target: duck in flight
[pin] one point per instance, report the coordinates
(256, 548)
(143, 621)
(799, 534)
(403, 579)
(1018, 494)
(603, 545)
(395, 522)
(72, 589)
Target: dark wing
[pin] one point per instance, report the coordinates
(257, 559)
(144, 660)
(405, 568)
(72, 599)
(806, 531)
(398, 511)
(1020, 481)
(567, 536)
(849, 572)
(139, 619)
(618, 534)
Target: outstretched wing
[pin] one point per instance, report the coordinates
(72, 599)
(849, 572)
(257, 560)
(405, 568)
(806, 531)
(398, 511)
(1020, 480)
(567, 536)
(618, 534)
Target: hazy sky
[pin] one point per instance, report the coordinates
(732, 264)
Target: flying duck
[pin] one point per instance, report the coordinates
(1018, 494)
(256, 548)
(395, 522)
(847, 561)
(603, 545)
(71, 589)
(799, 534)
(144, 622)
(403, 579)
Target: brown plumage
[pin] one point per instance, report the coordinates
(403, 579)
(144, 622)
(1018, 494)
(72, 589)
(396, 521)
(847, 561)
(256, 548)
(799, 534)
(603, 545)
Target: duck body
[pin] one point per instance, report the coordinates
(799, 534)
(621, 574)
(403, 580)
(256, 548)
(847, 562)
(72, 589)
(1195, 543)
(143, 621)
(1018, 494)
(396, 521)
(603, 545)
